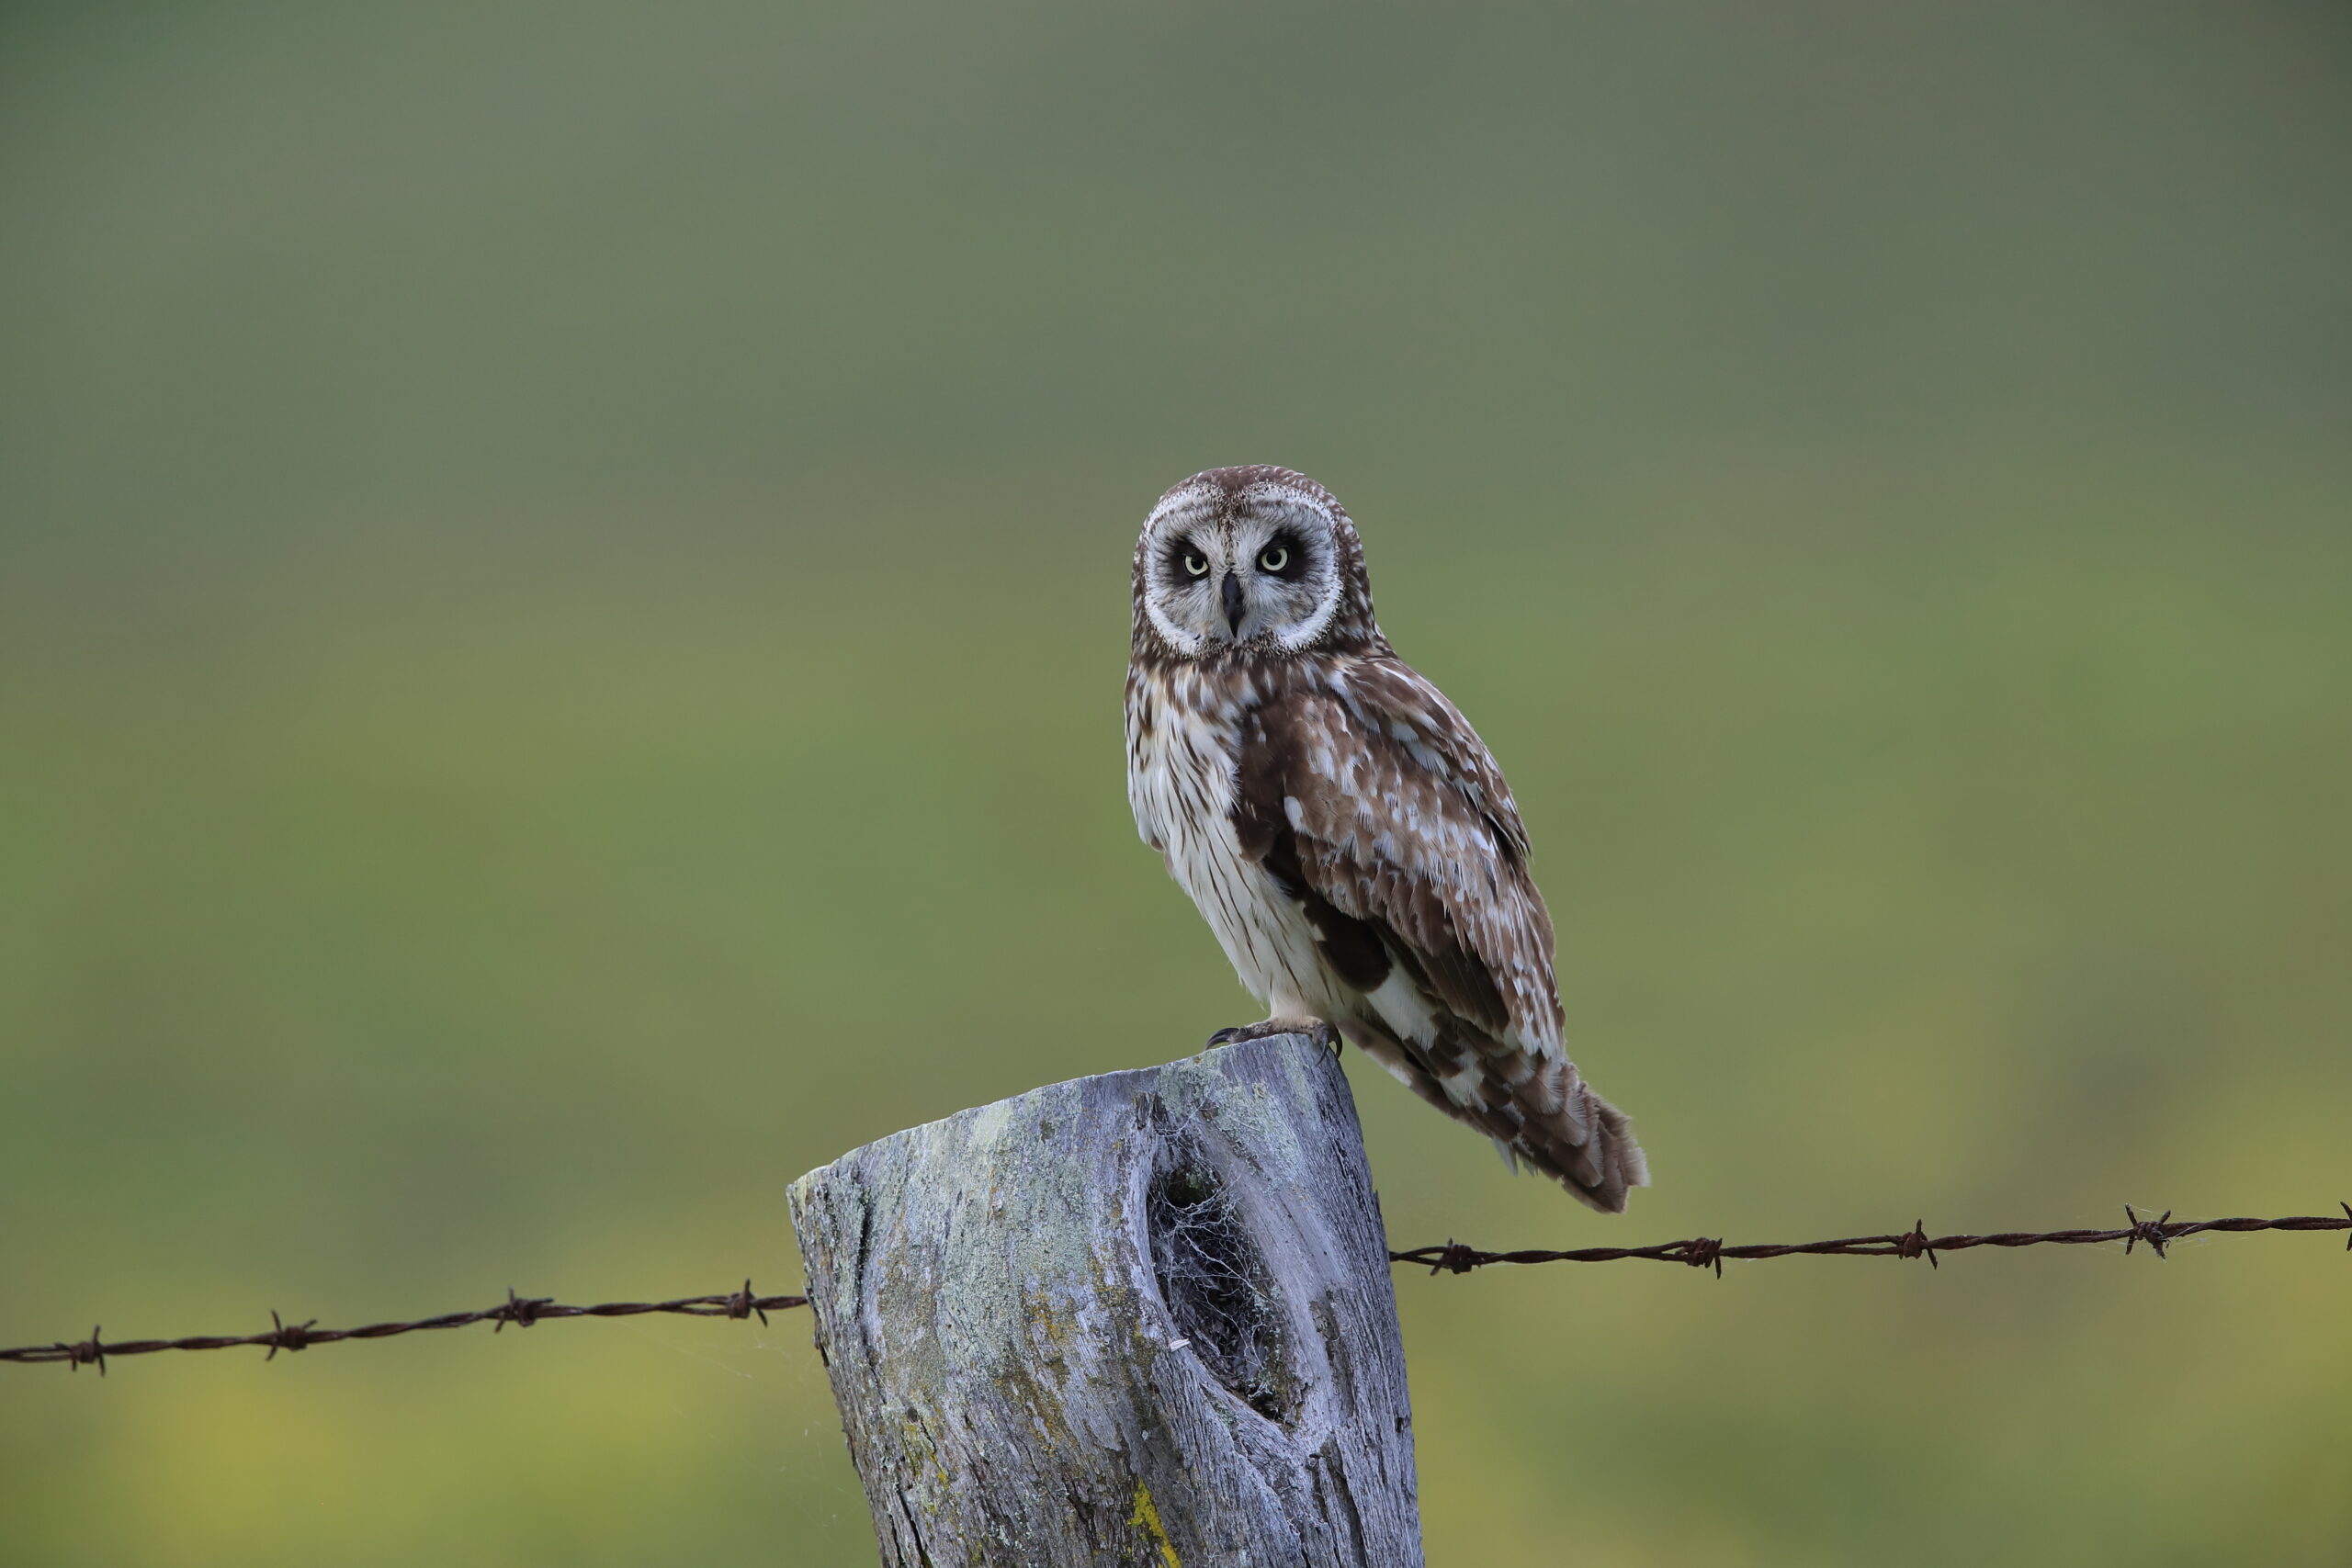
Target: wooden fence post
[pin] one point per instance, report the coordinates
(1142, 1319)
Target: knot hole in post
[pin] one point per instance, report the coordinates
(1220, 1292)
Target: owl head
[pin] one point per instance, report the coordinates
(1256, 559)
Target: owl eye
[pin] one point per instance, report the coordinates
(1195, 564)
(1273, 557)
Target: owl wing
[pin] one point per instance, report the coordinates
(1372, 798)
(1372, 792)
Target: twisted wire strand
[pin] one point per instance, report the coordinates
(1704, 1252)
(1453, 1257)
(521, 1311)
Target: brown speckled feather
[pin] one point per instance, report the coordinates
(1366, 780)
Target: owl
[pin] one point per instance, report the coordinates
(1342, 827)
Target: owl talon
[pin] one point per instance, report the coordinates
(1319, 1031)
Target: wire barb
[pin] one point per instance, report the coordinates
(89, 1350)
(521, 1311)
(1453, 1258)
(2150, 1231)
(742, 1303)
(284, 1335)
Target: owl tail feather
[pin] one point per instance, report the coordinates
(1542, 1117)
(1586, 1144)
(1537, 1109)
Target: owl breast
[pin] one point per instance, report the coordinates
(1184, 731)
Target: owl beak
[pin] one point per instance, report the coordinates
(1234, 609)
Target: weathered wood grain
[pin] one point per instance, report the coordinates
(1142, 1318)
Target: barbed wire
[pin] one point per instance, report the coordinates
(1453, 1258)
(1701, 1252)
(521, 1311)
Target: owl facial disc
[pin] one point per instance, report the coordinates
(1223, 564)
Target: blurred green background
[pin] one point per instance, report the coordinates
(562, 600)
